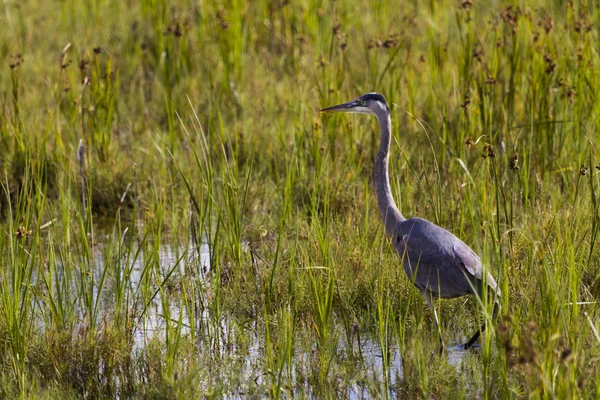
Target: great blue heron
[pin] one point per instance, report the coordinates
(438, 263)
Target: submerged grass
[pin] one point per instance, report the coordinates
(194, 127)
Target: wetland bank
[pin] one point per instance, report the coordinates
(217, 237)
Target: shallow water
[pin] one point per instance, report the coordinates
(368, 360)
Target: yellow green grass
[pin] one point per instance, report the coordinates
(200, 130)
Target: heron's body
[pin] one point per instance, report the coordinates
(437, 262)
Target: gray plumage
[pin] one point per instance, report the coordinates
(437, 262)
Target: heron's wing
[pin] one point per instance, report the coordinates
(447, 253)
(441, 249)
(467, 259)
(421, 250)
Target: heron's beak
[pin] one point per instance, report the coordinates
(346, 107)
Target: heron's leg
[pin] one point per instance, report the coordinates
(474, 338)
(431, 303)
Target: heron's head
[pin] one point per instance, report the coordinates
(370, 103)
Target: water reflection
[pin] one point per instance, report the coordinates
(249, 356)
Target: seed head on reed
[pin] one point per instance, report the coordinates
(514, 162)
(488, 151)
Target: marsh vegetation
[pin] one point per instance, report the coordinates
(214, 236)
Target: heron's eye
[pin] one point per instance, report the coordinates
(361, 102)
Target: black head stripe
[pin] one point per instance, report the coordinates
(374, 97)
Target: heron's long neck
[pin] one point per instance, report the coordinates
(389, 211)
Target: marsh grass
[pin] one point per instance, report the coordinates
(194, 127)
